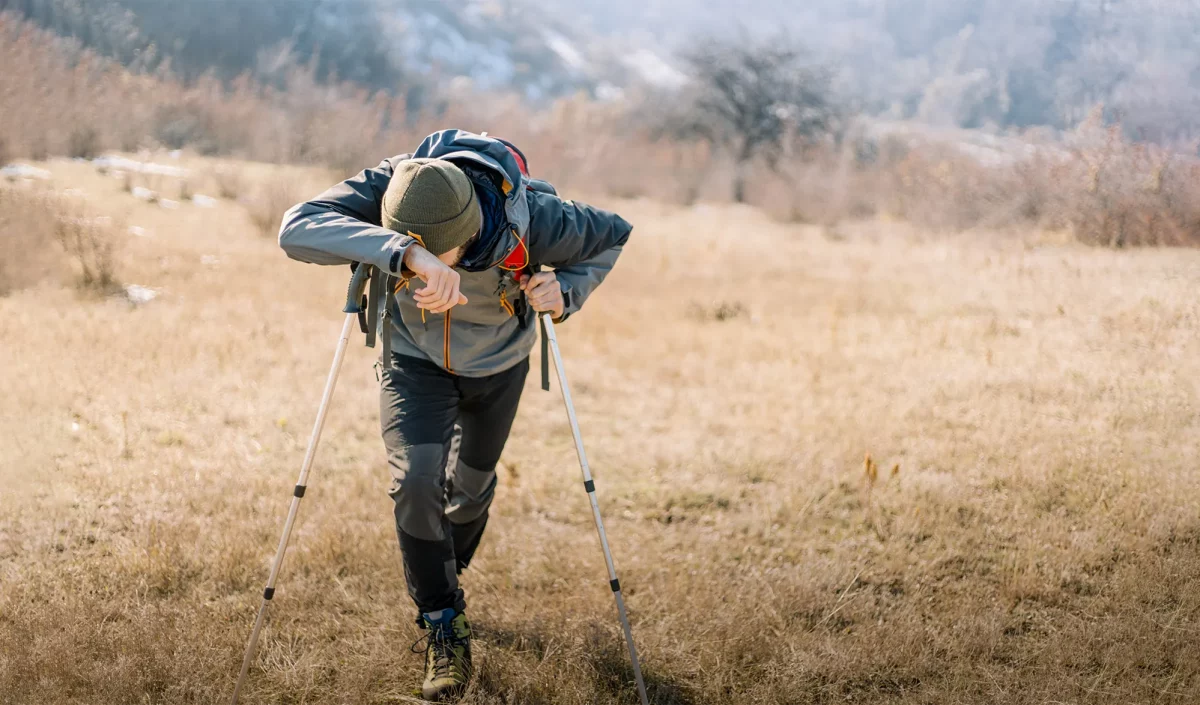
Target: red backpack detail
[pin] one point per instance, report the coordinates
(512, 149)
(518, 259)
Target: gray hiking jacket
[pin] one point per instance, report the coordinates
(494, 330)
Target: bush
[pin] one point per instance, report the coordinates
(1115, 193)
(268, 202)
(1092, 183)
(229, 182)
(90, 243)
(83, 143)
(42, 234)
(179, 126)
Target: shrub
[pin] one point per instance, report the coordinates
(90, 243)
(177, 126)
(228, 181)
(1121, 194)
(268, 201)
(43, 234)
(83, 142)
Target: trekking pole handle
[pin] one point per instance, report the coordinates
(358, 286)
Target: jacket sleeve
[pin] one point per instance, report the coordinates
(580, 242)
(342, 225)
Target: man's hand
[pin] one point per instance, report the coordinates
(441, 282)
(544, 293)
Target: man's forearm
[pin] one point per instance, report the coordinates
(343, 224)
(318, 236)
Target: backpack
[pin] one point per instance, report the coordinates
(507, 161)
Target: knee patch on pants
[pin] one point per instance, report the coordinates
(418, 489)
(471, 493)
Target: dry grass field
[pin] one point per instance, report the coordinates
(1027, 529)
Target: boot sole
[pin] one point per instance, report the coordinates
(445, 695)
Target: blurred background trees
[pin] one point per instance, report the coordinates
(753, 100)
(949, 113)
(966, 63)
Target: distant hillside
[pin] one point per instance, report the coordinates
(519, 45)
(401, 46)
(965, 63)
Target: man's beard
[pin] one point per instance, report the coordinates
(464, 249)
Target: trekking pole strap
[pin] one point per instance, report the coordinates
(385, 321)
(358, 286)
(376, 293)
(545, 355)
(534, 269)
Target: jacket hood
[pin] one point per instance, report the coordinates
(489, 153)
(483, 157)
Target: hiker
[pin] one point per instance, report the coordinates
(462, 216)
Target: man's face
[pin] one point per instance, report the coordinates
(453, 257)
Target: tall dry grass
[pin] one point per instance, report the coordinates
(267, 201)
(1036, 542)
(28, 241)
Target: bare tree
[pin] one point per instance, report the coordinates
(750, 99)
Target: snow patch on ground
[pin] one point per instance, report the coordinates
(139, 295)
(142, 193)
(112, 162)
(12, 172)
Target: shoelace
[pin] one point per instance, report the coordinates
(442, 640)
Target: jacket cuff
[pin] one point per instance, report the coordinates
(569, 306)
(396, 264)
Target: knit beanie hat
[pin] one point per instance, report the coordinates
(434, 200)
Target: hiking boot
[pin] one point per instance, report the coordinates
(447, 655)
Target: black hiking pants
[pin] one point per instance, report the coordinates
(444, 434)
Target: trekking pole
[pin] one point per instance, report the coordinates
(548, 331)
(353, 309)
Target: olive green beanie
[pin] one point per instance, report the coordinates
(433, 199)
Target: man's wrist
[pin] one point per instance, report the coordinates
(410, 252)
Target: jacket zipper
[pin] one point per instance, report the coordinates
(446, 344)
(508, 254)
